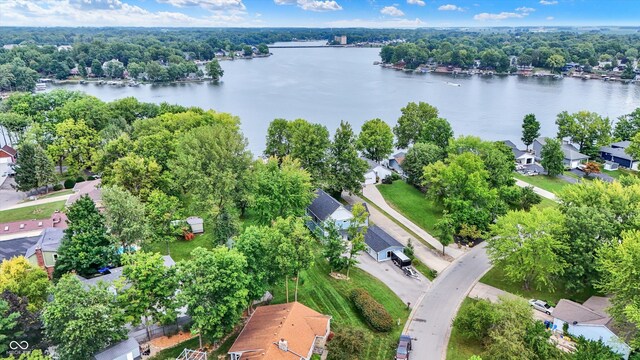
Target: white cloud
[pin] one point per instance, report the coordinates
(319, 6)
(501, 16)
(550, 18)
(391, 11)
(525, 9)
(208, 4)
(113, 13)
(311, 5)
(548, 2)
(415, 2)
(450, 7)
(390, 23)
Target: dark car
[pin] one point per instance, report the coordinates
(404, 348)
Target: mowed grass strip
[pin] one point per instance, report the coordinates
(330, 296)
(413, 204)
(544, 182)
(34, 212)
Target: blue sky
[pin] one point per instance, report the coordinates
(319, 13)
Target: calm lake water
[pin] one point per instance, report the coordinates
(326, 85)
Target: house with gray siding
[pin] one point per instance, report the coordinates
(572, 156)
(617, 153)
(380, 245)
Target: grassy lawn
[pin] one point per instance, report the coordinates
(412, 203)
(423, 269)
(181, 249)
(57, 193)
(618, 173)
(545, 203)
(329, 296)
(37, 212)
(495, 278)
(544, 182)
(460, 348)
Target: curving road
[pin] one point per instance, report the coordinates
(430, 322)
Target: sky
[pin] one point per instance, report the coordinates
(319, 13)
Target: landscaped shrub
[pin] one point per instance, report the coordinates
(91, 177)
(388, 180)
(79, 179)
(372, 311)
(395, 176)
(346, 344)
(69, 184)
(57, 187)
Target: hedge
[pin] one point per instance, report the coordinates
(79, 179)
(69, 183)
(372, 311)
(57, 187)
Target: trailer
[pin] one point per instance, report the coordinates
(400, 259)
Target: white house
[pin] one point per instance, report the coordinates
(521, 157)
(590, 321)
(379, 244)
(375, 173)
(325, 209)
(572, 156)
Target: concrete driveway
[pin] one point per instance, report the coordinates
(487, 292)
(407, 288)
(8, 195)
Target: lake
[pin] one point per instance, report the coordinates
(327, 85)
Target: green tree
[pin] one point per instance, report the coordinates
(411, 122)
(134, 173)
(214, 70)
(214, 288)
(85, 245)
(634, 148)
(507, 339)
(445, 228)
(587, 129)
(530, 129)
(14, 126)
(34, 169)
(596, 350)
(75, 143)
(96, 68)
(278, 139)
(419, 156)
(259, 246)
(334, 247)
(437, 131)
(124, 217)
(281, 191)
(526, 246)
(300, 244)
(475, 321)
(29, 326)
(375, 140)
(70, 318)
(627, 126)
(160, 210)
(22, 278)
(555, 62)
(310, 144)
(31, 355)
(357, 231)
(151, 294)
(346, 168)
(552, 157)
(8, 325)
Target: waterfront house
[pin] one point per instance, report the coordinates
(282, 332)
(394, 162)
(8, 155)
(521, 157)
(44, 253)
(572, 156)
(325, 209)
(380, 245)
(591, 321)
(375, 173)
(617, 153)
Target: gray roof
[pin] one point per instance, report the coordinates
(378, 239)
(516, 152)
(570, 152)
(49, 240)
(323, 205)
(617, 152)
(194, 220)
(570, 312)
(117, 350)
(372, 164)
(621, 144)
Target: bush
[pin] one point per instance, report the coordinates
(69, 184)
(57, 187)
(475, 321)
(388, 180)
(91, 177)
(79, 179)
(395, 176)
(346, 344)
(374, 313)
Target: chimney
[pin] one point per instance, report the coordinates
(283, 345)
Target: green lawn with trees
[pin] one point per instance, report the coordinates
(552, 184)
(412, 203)
(34, 212)
(330, 296)
(460, 348)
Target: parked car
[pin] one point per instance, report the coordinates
(404, 348)
(541, 306)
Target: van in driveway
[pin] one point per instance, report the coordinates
(404, 348)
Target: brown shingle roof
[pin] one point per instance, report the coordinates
(294, 322)
(9, 150)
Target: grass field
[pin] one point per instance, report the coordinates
(412, 203)
(57, 193)
(543, 182)
(181, 249)
(330, 296)
(618, 173)
(460, 348)
(545, 203)
(36, 212)
(495, 277)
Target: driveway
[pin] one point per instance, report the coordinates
(16, 247)
(8, 195)
(407, 288)
(430, 322)
(484, 291)
(544, 193)
(601, 176)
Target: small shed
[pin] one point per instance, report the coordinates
(380, 245)
(196, 224)
(610, 165)
(125, 350)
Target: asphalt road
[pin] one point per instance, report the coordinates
(431, 321)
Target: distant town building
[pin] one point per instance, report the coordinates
(65, 48)
(342, 40)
